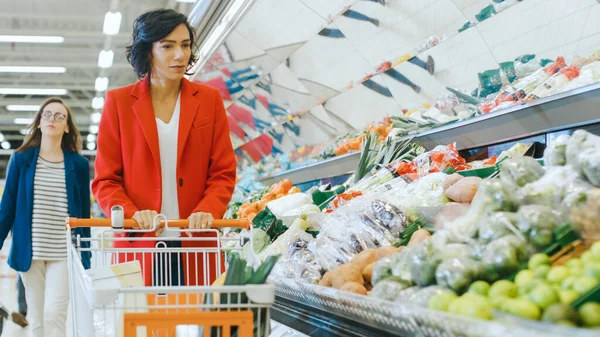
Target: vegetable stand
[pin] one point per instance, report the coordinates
(110, 299)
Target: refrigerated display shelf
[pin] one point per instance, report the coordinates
(320, 311)
(573, 109)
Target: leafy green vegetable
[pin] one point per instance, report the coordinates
(267, 221)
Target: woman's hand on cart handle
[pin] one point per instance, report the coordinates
(145, 219)
(199, 220)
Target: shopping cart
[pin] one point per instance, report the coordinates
(111, 299)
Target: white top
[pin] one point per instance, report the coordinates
(167, 140)
(50, 209)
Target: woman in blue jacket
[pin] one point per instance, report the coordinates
(47, 181)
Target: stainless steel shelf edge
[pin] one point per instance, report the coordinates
(566, 110)
(562, 111)
(328, 168)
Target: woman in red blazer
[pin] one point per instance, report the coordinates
(164, 146)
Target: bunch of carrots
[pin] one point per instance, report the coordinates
(355, 144)
(249, 210)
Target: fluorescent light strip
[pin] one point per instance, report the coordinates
(25, 121)
(31, 39)
(112, 23)
(29, 91)
(105, 58)
(19, 69)
(23, 107)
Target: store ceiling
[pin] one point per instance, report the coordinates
(302, 72)
(80, 23)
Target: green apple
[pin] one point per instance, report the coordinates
(537, 260)
(567, 296)
(523, 308)
(589, 257)
(523, 278)
(583, 284)
(590, 314)
(569, 282)
(543, 296)
(595, 249)
(574, 263)
(503, 288)
(560, 312)
(541, 272)
(480, 287)
(592, 270)
(442, 301)
(557, 274)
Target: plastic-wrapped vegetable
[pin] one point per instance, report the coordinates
(500, 259)
(400, 263)
(575, 195)
(455, 250)
(493, 196)
(520, 171)
(496, 225)
(389, 288)
(579, 141)
(555, 153)
(589, 160)
(423, 264)
(382, 270)
(458, 273)
(537, 222)
(549, 190)
(422, 296)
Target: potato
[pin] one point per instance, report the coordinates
(354, 287)
(365, 258)
(368, 272)
(464, 190)
(419, 236)
(327, 279)
(347, 273)
(387, 251)
(451, 180)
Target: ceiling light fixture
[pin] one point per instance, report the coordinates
(101, 83)
(23, 121)
(31, 39)
(96, 116)
(29, 91)
(2, 138)
(91, 138)
(25, 69)
(16, 107)
(91, 146)
(5, 145)
(24, 132)
(112, 23)
(97, 103)
(105, 59)
(93, 129)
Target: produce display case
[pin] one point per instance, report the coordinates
(319, 311)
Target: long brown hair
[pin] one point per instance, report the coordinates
(70, 141)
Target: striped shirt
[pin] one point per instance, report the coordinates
(50, 209)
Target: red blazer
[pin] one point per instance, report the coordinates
(128, 170)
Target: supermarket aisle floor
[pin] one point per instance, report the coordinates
(8, 293)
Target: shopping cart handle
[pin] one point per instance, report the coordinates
(130, 223)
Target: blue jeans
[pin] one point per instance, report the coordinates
(21, 296)
(168, 267)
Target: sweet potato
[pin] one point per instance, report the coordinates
(347, 273)
(354, 287)
(327, 279)
(464, 190)
(365, 258)
(418, 236)
(368, 272)
(451, 180)
(387, 251)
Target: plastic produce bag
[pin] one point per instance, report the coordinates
(281, 206)
(422, 296)
(457, 274)
(496, 225)
(537, 222)
(555, 153)
(400, 263)
(589, 160)
(580, 141)
(389, 288)
(500, 259)
(424, 261)
(520, 171)
(382, 270)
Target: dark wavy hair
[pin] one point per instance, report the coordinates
(151, 27)
(70, 141)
